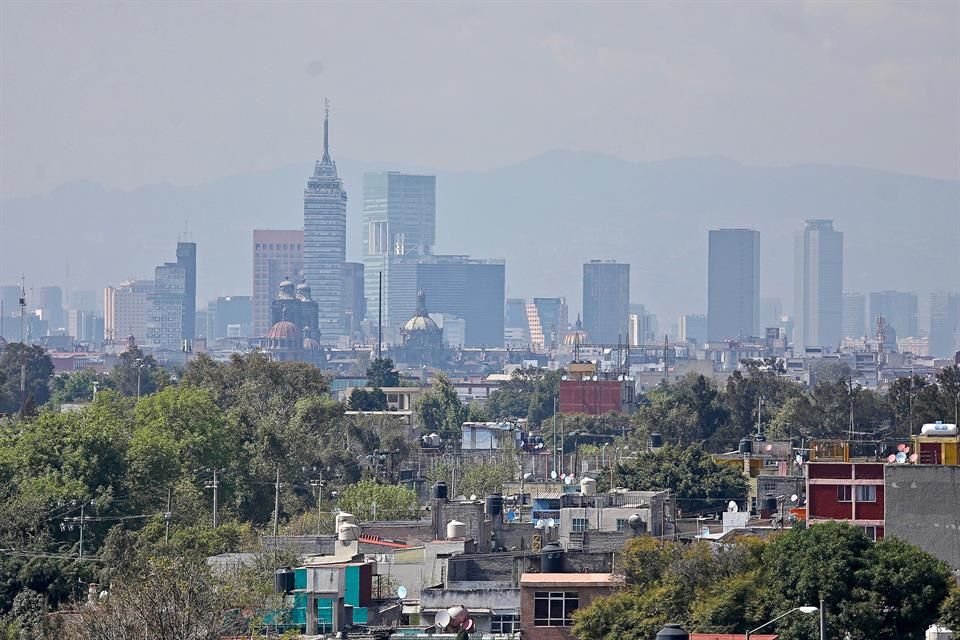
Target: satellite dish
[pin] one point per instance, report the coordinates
(553, 474)
(732, 507)
(794, 498)
(473, 496)
(442, 619)
(527, 476)
(568, 480)
(901, 447)
(769, 447)
(539, 524)
(551, 523)
(914, 457)
(799, 459)
(901, 457)
(906, 449)
(891, 458)
(401, 592)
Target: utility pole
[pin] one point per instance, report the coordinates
(215, 485)
(167, 516)
(276, 515)
(318, 485)
(823, 622)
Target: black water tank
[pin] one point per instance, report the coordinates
(494, 505)
(745, 446)
(440, 491)
(672, 632)
(283, 580)
(760, 437)
(551, 558)
(656, 440)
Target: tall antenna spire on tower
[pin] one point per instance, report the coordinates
(326, 131)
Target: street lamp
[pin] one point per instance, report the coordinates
(807, 610)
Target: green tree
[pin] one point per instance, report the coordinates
(381, 373)
(35, 367)
(136, 371)
(696, 479)
(530, 393)
(950, 608)
(77, 386)
(368, 501)
(484, 479)
(367, 400)
(441, 411)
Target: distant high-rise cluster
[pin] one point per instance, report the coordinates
(944, 323)
(818, 286)
(277, 256)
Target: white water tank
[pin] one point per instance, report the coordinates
(588, 487)
(456, 530)
(937, 632)
(938, 429)
(344, 518)
(348, 532)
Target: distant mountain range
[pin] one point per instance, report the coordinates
(545, 216)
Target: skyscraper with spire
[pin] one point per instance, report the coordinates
(325, 239)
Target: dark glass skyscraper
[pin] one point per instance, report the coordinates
(944, 323)
(899, 311)
(187, 259)
(733, 284)
(325, 240)
(606, 301)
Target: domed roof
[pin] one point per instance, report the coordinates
(310, 344)
(422, 320)
(283, 330)
(577, 336)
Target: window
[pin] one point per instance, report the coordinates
(579, 525)
(844, 493)
(622, 524)
(870, 532)
(866, 493)
(505, 624)
(554, 608)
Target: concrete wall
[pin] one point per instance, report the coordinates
(923, 508)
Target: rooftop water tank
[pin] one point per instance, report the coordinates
(440, 491)
(494, 505)
(344, 518)
(588, 486)
(283, 580)
(456, 530)
(938, 632)
(551, 558)
(744, 449)
(348, 532)
(672, 632)
(938, 429)
(656, 440)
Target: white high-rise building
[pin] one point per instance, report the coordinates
(325, 240)
(126, 310)
(818, 286)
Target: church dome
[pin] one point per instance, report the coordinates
(422, 320)
(577, 336)
(283, 330)
(311, 344)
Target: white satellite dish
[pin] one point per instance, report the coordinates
(568, 480)
(794, 498)
(551, 523)
(442, 619)
(732, 507)
(527, 476)
(401, 592)
(539, 524)
(901, 457)
(473, 496)
(799, 459)
(553, 474)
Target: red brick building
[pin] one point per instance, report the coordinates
(843, 488)
(588, 391)
(548, 600)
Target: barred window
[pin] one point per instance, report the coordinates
(554, 608)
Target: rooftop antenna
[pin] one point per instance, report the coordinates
(23, 309)
(326, 132)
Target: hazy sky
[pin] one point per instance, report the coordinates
(135, 93)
